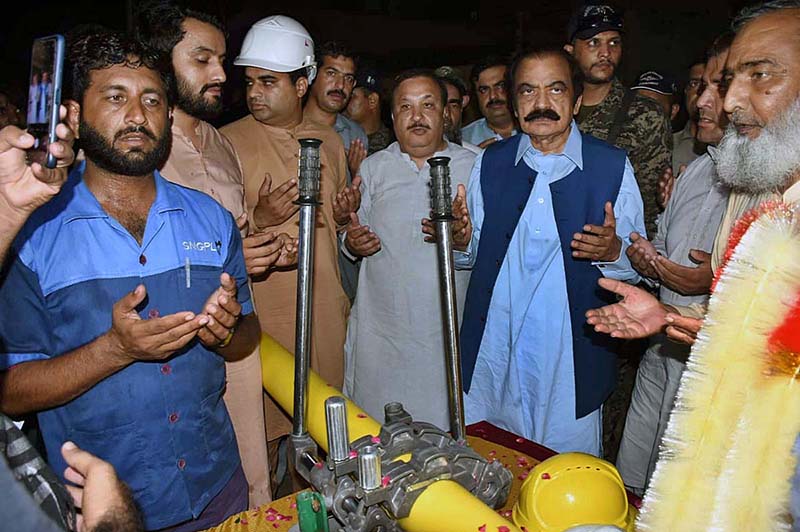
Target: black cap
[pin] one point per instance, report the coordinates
(367, 78)
(590, 20)
(653, 81)
(450, 75)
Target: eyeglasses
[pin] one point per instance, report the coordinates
(332, 74)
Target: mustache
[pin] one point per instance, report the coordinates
(135, 129)
(211, 86)
(707, 115)
(337, 91)
(496, 101)
(418, 124)
(604, 62)
(542, 113)
(740, 119)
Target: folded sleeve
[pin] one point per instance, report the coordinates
(25, 330)
(235, 267)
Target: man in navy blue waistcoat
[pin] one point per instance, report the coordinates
(550, 210)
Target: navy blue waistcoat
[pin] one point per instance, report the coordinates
(578, 199)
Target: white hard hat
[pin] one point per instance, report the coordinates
(278, 43)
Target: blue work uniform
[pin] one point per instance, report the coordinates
(161, 424)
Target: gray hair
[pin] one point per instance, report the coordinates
(750, 13)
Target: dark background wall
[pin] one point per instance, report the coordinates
(399, 34)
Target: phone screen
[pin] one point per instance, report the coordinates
(44, 96)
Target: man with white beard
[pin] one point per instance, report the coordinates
(759, 159)
(759, 156)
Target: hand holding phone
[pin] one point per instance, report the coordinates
(44, 96)
(25, 186)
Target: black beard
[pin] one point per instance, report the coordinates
(453, 134)
(194, 104)
(594, 80)
(134, 163)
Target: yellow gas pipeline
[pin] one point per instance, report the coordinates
(444, 506)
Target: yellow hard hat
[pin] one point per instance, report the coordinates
(570, 490)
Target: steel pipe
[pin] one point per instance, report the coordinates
(308, 187)
(442, 217)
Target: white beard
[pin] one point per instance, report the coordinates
(765, 163)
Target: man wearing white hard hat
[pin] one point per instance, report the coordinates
(278, 58)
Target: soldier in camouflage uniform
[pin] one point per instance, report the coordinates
(636, 124)
(644, 130)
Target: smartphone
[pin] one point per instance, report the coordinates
(44, 96)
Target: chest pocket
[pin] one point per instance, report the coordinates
(196, 284)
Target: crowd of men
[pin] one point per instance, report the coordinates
(140, 272)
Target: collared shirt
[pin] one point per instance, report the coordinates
(162, 425)
(646, 135)
(212, 167)
(684, 146)
(690, 221)
(479, 131)
(350, 130)
(395, 335)
(524, 373)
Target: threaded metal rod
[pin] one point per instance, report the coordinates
(308, 186)
(442, 215)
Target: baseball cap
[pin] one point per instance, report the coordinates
(590, 20)
(653, 81)
(451, 75)
(367, 78)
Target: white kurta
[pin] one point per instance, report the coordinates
(395, 336)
